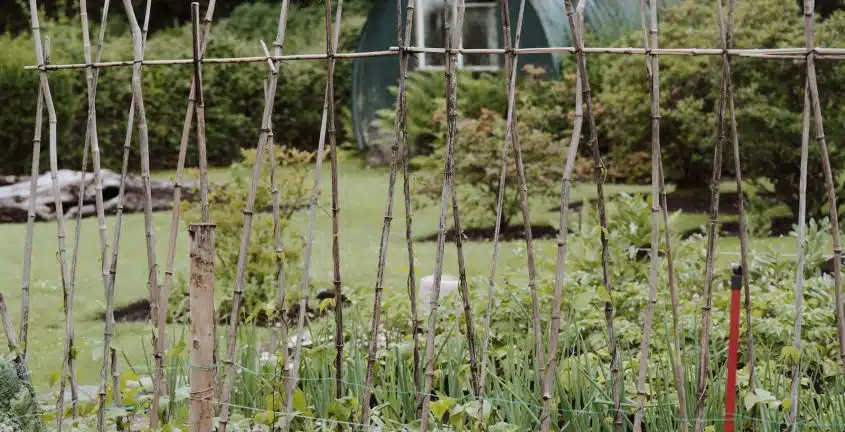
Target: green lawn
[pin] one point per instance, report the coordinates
(362, 207)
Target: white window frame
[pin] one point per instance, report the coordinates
(493, 36)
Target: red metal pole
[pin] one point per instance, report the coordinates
(733, 348)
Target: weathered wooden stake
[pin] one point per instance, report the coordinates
(202, 326)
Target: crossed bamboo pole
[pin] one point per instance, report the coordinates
(659, 196)
(790, 53)
(264, 136)
(91, 140)
(62, 253)
(563, 239)
(809, 34)
(399, 140)
(609, 312)
(658, 187)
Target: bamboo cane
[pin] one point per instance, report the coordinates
(331, 47)
(66, 301)
(138, 41)
(809, 8)
(152, 276)
(108, 327)
(707, 295)
(491, 280)
(30, 220)
(91, 139)
(453, 39)
(266, 118)
(562, 242)
(464, 290)
(164, 296)
(616, 378)
(63, 265)
(399, 139)
(653, 70)
(291, 382)
(91, 142)
(512, 134)
(727, 34)
(280, 269)
(783, 54)
(199, 106)
(800, 263)
(406, 184)
(670, 270)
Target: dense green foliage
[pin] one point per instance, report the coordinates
(768, 95)
(233, 92)
(19, 410)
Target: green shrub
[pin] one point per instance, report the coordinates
(768, 97)
(226, 201)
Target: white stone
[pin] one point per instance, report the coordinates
(448, 285)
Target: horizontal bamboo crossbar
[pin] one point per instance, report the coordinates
(770, 53)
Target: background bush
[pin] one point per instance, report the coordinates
(234, 92)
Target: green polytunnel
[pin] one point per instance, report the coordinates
(544, 24)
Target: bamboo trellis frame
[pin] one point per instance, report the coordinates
(403, 50)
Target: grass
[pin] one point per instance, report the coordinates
(362, 207)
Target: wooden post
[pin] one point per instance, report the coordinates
(202, 325)
(116, 395)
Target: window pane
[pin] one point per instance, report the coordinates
(480, 32)
(434, 29)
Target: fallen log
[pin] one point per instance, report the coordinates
(15, 197)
